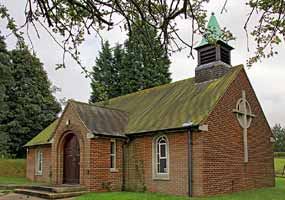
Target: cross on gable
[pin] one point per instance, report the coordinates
(244, 116)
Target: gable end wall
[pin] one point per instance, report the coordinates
(62, 130)
(224, 170)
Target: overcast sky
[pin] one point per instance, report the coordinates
(267, 77)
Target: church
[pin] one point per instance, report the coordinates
(201, 136)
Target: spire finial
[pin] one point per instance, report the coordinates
(213, 13)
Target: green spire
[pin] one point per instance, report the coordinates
(215, 32)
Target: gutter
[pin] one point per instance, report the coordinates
(190, 171)
(93, 134)
(123, 167)
(169, 130)
(192, 128)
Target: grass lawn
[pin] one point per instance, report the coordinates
(277, 193)
(12, 167)
(279, 165)
(18, 181)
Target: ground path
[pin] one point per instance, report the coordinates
(14, 196)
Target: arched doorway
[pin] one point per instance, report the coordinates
(71, 163)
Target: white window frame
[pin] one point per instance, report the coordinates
(39, 162)
(113, 156)
(157, 157)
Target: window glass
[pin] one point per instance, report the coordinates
(112, 161)
(163, 150)
(162, 168)
(112, 147)
(161, 158)
(39, 162)
(113, 155)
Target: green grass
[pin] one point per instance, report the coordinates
(18, 181)
(12, 167)
(276, 193)
(279, 165)
(13, 171)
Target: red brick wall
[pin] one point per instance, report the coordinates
(218, 162)
(139, 165)
(224, 169)
(94, 155)
(76, 127)
(101, 178)
(31, 163)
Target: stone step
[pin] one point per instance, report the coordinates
(55, 189)
(48, 195)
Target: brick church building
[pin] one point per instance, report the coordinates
(200, 136)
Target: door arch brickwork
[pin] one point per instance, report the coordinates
(63, 130)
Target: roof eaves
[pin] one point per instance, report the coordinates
(191, 127)
(37, 144)
(118, 135)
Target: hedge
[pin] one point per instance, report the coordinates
(279, 154)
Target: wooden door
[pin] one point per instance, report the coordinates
(71, 163)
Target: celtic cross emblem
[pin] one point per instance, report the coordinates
(244, 116)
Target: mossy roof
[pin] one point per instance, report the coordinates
(44, 136)
(101, 120)
(171, 105)
(164, 107)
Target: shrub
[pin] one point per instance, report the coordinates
(279, 154)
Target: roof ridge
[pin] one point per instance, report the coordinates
(94, 105)
(152, 88)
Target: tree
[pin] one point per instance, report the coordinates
(32, 107)
(104, 76)
(118, 63)
(71, 19)
(6, 80)
(145, 64)
(279, 134)
(140, 64)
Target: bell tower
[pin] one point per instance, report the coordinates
(214, 54)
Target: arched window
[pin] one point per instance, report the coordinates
(161, 157)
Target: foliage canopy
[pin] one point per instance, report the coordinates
(279, 134)
(139, 64)
(72, 19)
(27, 102)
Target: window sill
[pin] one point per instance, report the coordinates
(39, 174)
(113, 170)
(161, 178)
